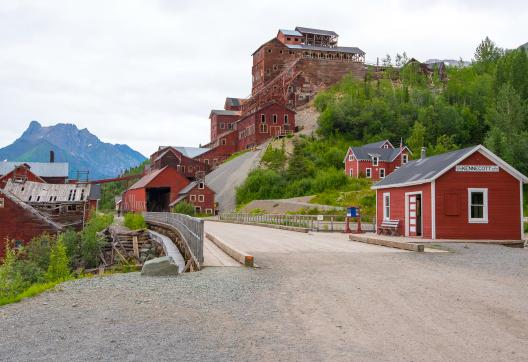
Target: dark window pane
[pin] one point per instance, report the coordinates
(477, 198)
(477, 212)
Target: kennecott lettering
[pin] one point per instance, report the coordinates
(476, 168)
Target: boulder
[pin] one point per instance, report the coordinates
(160, 267)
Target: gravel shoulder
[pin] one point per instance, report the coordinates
(314, 305)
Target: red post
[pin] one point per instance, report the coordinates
(359, 231)
(347, 226)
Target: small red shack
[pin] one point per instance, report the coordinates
(154, 191)
(200, 196)
(375, 160)
(468, 194)
(21, 222)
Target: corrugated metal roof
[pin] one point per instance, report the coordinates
(191, 152)
(224, 112)
(42, 169)
(145, 180)
(315, 31)
(30, 209)
(234, 101)
(38, 192)
(424, 169)
(351, 50)
(290, 32)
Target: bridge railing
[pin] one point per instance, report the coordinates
(311, 222)
(191, 229)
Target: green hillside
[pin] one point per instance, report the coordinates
(485, 103)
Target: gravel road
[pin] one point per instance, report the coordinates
(468, 305)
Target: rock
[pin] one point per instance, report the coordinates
(160, 267)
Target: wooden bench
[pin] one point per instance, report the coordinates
(390, 227)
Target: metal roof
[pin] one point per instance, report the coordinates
(224, 112)
(315, 31)
(428, 169)
(42, 169)
(145, 180)
(38, 192)
(290, 32)
(351, 50)
(29, 208)
(234, 101)
(191, 152)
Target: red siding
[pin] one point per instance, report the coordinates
(360, 167)
(397, 210)
(504, 203)
(30, 176)
(209, 198)
(19, 224)
(217, 121)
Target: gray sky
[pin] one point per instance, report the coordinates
(147, 73)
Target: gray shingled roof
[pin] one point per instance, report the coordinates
(290, 32)
(42, 169)
(384, 154)
(315, 31)
(425, 170)
(351, 50)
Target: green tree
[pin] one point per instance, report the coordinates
(59, 266)
(417, 138)
(183, 207)
(487, 52)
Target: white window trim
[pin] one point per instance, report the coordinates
(201, 198)
(405, 158)
(484, 219)
(192, 198)
(368, 172)
(386, 216)
(351, 172)
(382, 169)
(351, 157)
(375, 158)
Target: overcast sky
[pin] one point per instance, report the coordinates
(147, 73)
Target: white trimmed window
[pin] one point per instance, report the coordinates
(201, 185)
(200, 198)
(368, 172)
(351, 172)
(375, 161)
(209, 211)
(286, 119)
(351, 157)
(477, 206)
(382, 173)
(1, 202)
(386, 205)
(192, 198)
(405, 158)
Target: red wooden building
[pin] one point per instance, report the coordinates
(49, 172)
(222, 120)
(263, 124)
(200, 196)
(233, 104)
(155, 191)
(182, 159)
(468, 194)
(21, 222)
(375, 160)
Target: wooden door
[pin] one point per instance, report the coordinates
(276, 131)
(412, 214)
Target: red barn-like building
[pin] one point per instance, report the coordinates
(375, 160)
(21, 222)
(49, 172)
(468, 194)
(222, 120)
(182, 159)
(155, 191)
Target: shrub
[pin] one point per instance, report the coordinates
(72, 243)
(90, 242)
(59, 266)
(135, 221)
(185, 208)
(11, 281)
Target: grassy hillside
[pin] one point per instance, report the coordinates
(485, 103)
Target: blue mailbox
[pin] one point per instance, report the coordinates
(353, 211)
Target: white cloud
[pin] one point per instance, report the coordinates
(147, 73)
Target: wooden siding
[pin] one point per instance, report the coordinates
(503, 203)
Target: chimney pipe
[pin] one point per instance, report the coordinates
(423, 155)
(52, 156)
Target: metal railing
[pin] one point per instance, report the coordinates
(190, 228)
(311, 222)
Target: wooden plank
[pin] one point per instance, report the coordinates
(388, 243)
(135, 246)
(240, 256)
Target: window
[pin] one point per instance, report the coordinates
(385, 146)
(269, 50)
(351, 172)
(386, 205)
(222, 125)
(206, 161)
(274, 118)
(183, 169)
(375, 160)
(286, 119)
(200, 198)
(192, 198)
(209, 211)
(1, 203)
(351, 157)
(201, 185)
(263, 128)
(230, 126)
(478, 206)
(198, 209)
(268, 71)
(382, 173)
(275, 67)
(262, 118)
(405, 158)
(288, 38)
(368, 173)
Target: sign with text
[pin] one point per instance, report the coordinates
(477, 168)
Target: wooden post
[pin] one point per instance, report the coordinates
(135, 246)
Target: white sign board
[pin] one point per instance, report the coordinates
(476, 168)
(320, 217)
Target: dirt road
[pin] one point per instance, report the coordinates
(326, 299)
